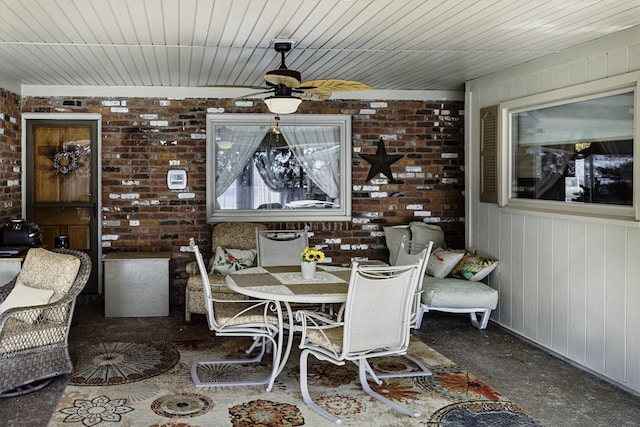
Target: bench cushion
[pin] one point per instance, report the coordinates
(457, 293)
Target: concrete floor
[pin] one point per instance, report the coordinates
(553, 392)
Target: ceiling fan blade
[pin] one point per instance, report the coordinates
(233, 86)
(316, 94)
(250, 95)
(336, 85)
(276, 78)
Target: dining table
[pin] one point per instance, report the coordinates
(285, 285)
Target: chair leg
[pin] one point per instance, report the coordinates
(422, 372)
(304, 389)
(187, 313)
(484, 320)
(256, 343)
(362, 369)
(419, 315)
(27, 388)
(269, 380)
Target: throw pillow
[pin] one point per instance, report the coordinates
(424, 233)
(227, 261)
(25, 296)
(44, 269)
(474, 268)
(442, 261)
(393, 236)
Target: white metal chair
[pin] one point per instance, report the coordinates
(376, 323)
(280, 247)
(258, 319)
(411, 252)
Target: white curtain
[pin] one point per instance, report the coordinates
(240, 142)
(317, 149)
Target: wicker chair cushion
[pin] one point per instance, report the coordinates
(330, 338)
(227, 315)
(217, 282)
(25, 296)
(17, 335)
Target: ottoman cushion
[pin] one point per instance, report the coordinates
(457, 293)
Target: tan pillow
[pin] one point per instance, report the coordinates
(43, 269)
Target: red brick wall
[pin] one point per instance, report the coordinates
(143, 138)
(10, 162)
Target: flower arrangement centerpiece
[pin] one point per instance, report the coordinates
(308, 261)
(312, 255)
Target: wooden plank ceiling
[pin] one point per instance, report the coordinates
(388, 44)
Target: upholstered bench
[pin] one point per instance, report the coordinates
(458, 296)
(452, 283)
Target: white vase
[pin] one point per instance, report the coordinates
(308, 270)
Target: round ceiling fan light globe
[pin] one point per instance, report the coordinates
(282, 104)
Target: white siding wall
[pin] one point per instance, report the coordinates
(568, 283)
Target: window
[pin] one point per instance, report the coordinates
(574, 154)
(293, 168)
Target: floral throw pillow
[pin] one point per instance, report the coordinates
(227, 261)
(474, 268)
(442, 261)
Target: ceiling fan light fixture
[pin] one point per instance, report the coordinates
(282, 104)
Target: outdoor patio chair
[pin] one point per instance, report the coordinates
(36, 309)
(280, 247)
(258, 319)
(376, 324)
(412, 252)
(232, 237)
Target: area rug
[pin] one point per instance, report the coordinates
(149, 384)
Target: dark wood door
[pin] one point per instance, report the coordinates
(61, 185)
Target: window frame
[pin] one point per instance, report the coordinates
(596, 89)
(343, 213)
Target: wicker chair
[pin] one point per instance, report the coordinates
(234, 235)
(34, 339)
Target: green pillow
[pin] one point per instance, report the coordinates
(424, 233)
(393, 236)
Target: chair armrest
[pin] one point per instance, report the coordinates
(53, 312)
(314, 320)
(192, 268)
(317, 333)
(6, 289)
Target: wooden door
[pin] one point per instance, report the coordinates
(61, 187)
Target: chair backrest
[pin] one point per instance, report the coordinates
(412, 252)
(378, 309)
(280, 247)
(206, 285)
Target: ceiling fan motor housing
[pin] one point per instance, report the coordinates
(283, 75)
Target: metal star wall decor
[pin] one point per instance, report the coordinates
(381, 162)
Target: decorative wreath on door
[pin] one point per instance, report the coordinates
(64, 162)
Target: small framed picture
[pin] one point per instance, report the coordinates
(177, 179)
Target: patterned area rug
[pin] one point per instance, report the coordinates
(149, 384)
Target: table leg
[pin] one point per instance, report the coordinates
(287, 350)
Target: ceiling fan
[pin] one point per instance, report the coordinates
(288, 91)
